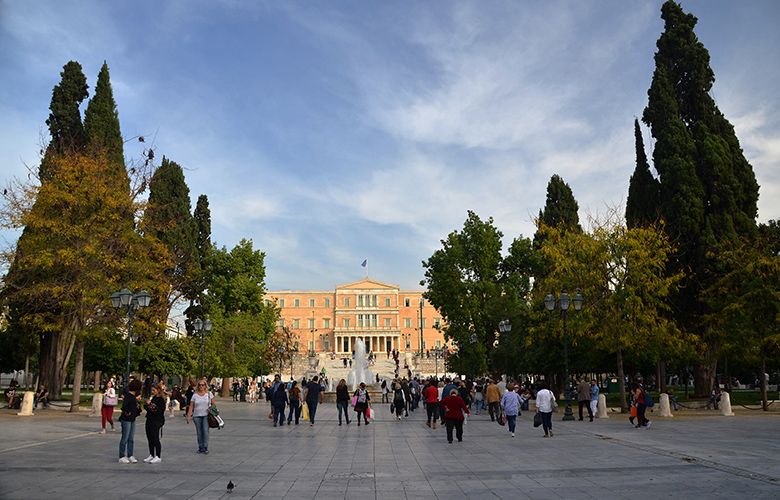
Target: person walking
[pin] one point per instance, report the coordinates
(545, 400)
(493, 397)
(199, 411)
(454, 408)
(312, 394)
(639, 398)
(594, 397)
(295, 403)
(385, 390)
(342, 400)
(583, 397)
(110, 400)
(280, 402)
(511, 402)
(155, 419)
(431, 395)
(479, 397)
(399, 398)
(363, 400)
(127, 420)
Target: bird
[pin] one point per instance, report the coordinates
(230, 486)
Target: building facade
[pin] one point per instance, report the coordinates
(383, 315)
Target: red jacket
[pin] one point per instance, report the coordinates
(431, 394)
(454, 407)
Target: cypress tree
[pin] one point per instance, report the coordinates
(101, 124)
(643, 188)
(65, 126)
(560, 209)
(708, 191)
(202, 217)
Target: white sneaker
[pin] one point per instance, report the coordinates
(155, 460)
(149, 459)
(513, 434)
(102, 431)
(124, 460)
(132, 460)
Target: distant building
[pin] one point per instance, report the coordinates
(383, 315)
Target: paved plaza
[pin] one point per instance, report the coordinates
(56, 455)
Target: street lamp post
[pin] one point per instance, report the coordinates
(281, 356)
(421, 328)
(438, 352)
(473, 341)
(505, 327)
(262, 358)
(127, 303)
(203, 327)
(563, 303)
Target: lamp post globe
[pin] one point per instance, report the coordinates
(564, 301)
(126, 303)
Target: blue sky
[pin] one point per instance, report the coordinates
(333, 132)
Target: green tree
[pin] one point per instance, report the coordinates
(168, 218)
(65, 125)
(101, 125)
(643, 189)
(708, 189)
(202, 217)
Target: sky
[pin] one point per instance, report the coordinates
(330, 133)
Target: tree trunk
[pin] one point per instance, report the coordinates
(764, 402)
(660, 376)
(96, 385)
(50, 375)
(621, 382)
(703, 379)
(77, 375)
(226, 381)
(27, 373)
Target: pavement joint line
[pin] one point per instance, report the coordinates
(30, 445)
(691, 459)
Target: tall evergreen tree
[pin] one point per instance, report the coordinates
(708, 191)
(643, 189)
(202, 216)
(560, 209)
(101, 124)
(168, 218)
(65, 125)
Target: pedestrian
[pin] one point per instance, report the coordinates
(199, 411)
(342, 400)
(479, 397)
(454, 407)
(431, 395)
(583, 397)
(127, 420)
(362, 404)
(511, 406)
(155, 419)
(280, 402)
(312, 394)
(594, 397)
(295, 403)
(639, 397)
(147, 387)
(385, 391)
(399, 398)
(109, 402)
(545, 400)
(493, 397)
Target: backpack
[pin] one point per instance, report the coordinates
(293, 397)
(648, 400)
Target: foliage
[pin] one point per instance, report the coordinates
(643, 199)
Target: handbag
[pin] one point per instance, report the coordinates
(212, 421)
(368, 412)
(354, 400)
(633, 411)
(392, 408)
(305, 412)
(110, 400)
(500, 419)
(537, 419)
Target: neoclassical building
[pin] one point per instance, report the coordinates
(383, 315)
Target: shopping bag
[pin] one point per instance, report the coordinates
(305, 412)
(633, 411)
(369, 414)
(354, 400)
(537, 419)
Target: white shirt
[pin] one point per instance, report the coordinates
(202, 404)
(545, 400)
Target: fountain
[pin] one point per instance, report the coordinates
(361, 373)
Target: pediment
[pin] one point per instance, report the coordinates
(367, 284)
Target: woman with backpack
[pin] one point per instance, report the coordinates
(295, 403)
(399, 399)
(641, 405)
(361, 406)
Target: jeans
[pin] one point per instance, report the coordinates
(128, 437)
(202, 429)
(312, 409)
(342, 406)
(279, 413)
(153, 437)
(586, 403)
(640, 415)
(107, 412)
(546, 421)
(511, 420)
(433, 411)
(385, 397)
(494, 411)
(479, 404)
(295, 407)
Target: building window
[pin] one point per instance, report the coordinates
(311, 323)
(346, 322)
(327, 302)
(281, 302)
(360, 321)
(296, 324)
(438, 344)
(311, 302)
(373, 301)
(406, 302)
(346, 301)
(407, 322)
(436, 323)
(422, 301)
(387, 301)
(388, 322)
(374, 321)
(408, 344)
(327, 345)
(423, 322)
(360, 301)
(266, 302)
(281, 322)
(295, 346)
(296, 302)
(326, 322)
(311, 345)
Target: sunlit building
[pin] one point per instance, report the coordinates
(383, 315)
